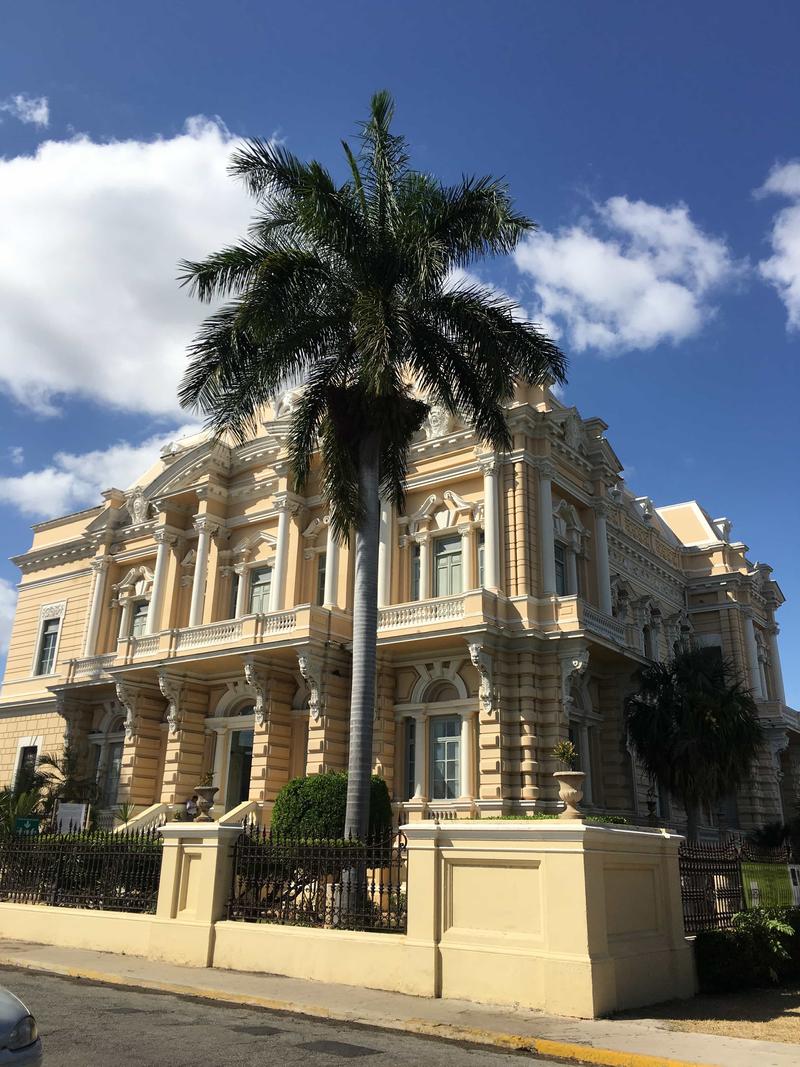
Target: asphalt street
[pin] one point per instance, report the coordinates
(84, 1024)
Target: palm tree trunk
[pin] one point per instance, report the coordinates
(365, 637)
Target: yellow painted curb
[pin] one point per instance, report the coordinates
(563, 1050)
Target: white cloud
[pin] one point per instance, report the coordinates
(74, 481)
(630, 277)
(90, 238)
(8, 602)
(17, 455)
(782, 269)
(34, 110)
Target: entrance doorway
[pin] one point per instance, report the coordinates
(240, 761)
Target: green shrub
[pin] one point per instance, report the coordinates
(762, 948)
(314, 807)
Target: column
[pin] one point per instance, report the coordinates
(420, 751)
(467, 580)
(491, 525)
(585, 753)
(572, 571)
(385, 555)
(163, 540)
(281, 556)
(547, 546)
(424, 543)
(220, 751)
(242, 590)
(601, 558)
(204, 531)
(467, 754)
(100, 568)
(752, 656)
(775, 664)
(331, 594)
(125, 619)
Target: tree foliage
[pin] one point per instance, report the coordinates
(694, 728)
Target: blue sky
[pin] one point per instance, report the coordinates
(637, 135)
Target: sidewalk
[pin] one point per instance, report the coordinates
(617, 1043)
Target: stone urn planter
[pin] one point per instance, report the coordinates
(205, 800)
(570, 790)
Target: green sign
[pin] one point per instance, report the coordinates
(27, 824)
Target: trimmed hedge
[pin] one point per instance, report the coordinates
(314, 807)
(762, 948)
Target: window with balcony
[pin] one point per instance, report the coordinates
(560, 553)
(481, 554)
(234, 595)
(46, 660)
(260, 588)
(139, 618)
(445, 758)
(447, 566)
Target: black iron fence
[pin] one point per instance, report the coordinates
(719, 880)
(298, 882)
(88, 869)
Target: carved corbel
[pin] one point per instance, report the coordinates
(482, 662)
(128, 696)
(259, 683)
(310, 670)
(573, 670)
(171, 689)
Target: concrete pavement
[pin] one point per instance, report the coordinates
(617, 1043)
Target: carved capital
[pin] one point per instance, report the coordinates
(546, 468)
(488, 465)
(100, 564)
(163, 536)
(206, 522)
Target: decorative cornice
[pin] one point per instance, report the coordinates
(171, 689)
(259, 683)
(310, 670)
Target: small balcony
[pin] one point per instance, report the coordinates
(572, 613)
(426, 618)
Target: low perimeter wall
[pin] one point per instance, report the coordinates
(560, 916)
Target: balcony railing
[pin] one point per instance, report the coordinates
(215, 633)
(83, 670)
(601, 624)
(421, 613)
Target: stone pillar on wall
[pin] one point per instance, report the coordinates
(205, 529)
(331, 592)
(775, 663)
(100, 571)
(327, 681)
(287, 507)
(141, 756)
(385, 555)
(272, 733)
(751, 649)
(384, 740)
(185, 714)
(545, 529)
(491, 524)
(601, 557)
(164, 539)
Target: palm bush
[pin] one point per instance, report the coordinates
(694, 728)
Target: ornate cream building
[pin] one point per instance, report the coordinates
(200, 622)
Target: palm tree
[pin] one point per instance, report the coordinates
(694, 728)
(350, 289)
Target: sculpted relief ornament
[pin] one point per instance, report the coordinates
(171, 689)
(309, 669)
(573, 673)
(260, 686)
(138, 505)
(128, 697)
(482, 662)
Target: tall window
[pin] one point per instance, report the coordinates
(415, 572)
(321, 564)
(26, 769)
(445, 758)
(47, 649)
(110, 784)
(260, 586)
(447, 566)
(481, 553)
(139, 620)
(560, 553)
(411, 745)
(235, 579)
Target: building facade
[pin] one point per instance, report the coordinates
(200, 622)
